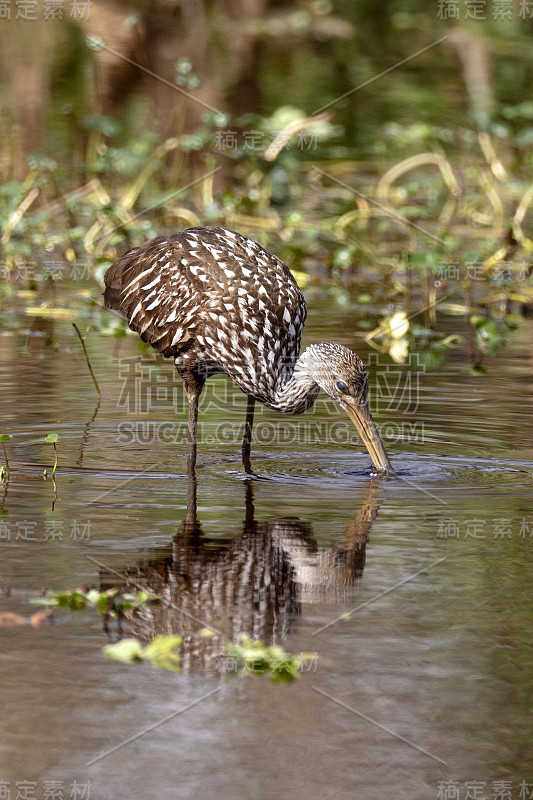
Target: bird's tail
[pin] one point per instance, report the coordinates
(114, 283)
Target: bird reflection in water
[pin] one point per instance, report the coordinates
(254, 583)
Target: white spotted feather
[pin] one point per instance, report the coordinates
(223, 304)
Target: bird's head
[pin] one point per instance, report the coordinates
(342, 375)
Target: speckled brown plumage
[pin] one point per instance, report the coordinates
(216, 301)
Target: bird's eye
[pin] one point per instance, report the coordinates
(341, 386)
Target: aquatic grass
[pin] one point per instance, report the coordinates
(4, 471)
(52, 439)
(403, 223)
(82, 340)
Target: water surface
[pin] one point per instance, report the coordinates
(427, 679)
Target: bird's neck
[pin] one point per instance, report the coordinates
(297, 390)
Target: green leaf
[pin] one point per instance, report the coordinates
(108, 126)
(129, 651)
(51, 438)
(160, 652)
(5, 437)
(102, 603)
(258, 659)
(76, 601)
(44, 601)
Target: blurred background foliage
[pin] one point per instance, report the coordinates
(382, 149)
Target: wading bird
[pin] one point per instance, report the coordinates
(216, 301)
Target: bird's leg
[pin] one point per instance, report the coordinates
(193, 398)
(193, 385)
(249, 518)
(247, 439)
(191, 519)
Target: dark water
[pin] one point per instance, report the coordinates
(428, 680)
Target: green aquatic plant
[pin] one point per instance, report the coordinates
(253, 657)
(52, 439)
(111, 602)
(82, 340)
(250, 657)
(418, 232)
(4, 471)
(159, 652)
(486, 337)
(257, 658)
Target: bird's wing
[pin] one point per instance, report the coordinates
(151, 286)
(238, 304)
(253, 318)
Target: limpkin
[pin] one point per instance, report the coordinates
(216, 301)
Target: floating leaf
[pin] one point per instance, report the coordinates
(41, 618)
(51, 438)
(398, 325)
(110, 601)
(259, 659)
(9, 620)
(75, 600)
(160, 652)
(129, 651)
(102, 602)
(5, 437)
(44, 601)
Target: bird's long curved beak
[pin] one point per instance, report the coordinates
(366, 427)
